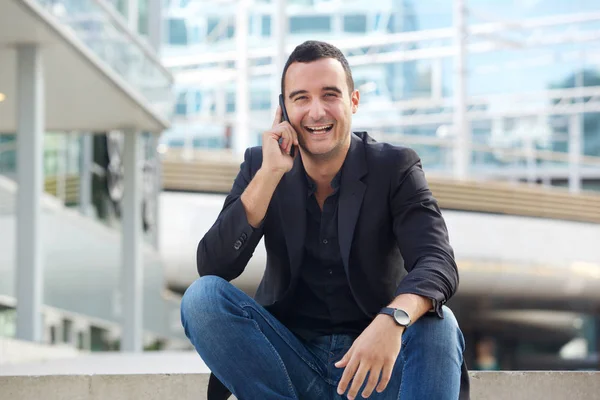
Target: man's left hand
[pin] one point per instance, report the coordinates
(374, 352)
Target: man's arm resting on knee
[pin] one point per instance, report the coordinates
(423, 239)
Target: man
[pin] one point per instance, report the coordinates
(358, 260)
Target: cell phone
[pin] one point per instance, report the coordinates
(284, 117)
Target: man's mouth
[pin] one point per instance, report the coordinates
(319, 129)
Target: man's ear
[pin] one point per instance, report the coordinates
(355, 99)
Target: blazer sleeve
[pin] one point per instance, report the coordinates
(422, 235)
(228, 245)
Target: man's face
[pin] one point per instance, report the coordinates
(319, 106)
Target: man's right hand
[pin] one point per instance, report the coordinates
(276, 157)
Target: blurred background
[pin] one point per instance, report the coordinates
(123, 124)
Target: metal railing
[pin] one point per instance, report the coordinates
(214, 171)
(104, 31)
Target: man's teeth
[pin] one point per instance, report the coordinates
(320, 128)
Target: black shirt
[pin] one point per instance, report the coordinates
(323, 303)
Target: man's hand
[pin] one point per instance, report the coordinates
(276, 157)
(374, 352)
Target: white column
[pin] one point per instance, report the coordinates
(575, 153)
(85, 174)
(337, 23)
(530, 159)
(220, 102)
(156, 190)
(436, 79)
(155, 24)
(30, 173)
(278, 33)
(188, 140)
(462, 130)
(575, 135)
(61, 164)
(132, 268)
(133, 14)
(242, 99)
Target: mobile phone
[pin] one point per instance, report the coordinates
(284, 117)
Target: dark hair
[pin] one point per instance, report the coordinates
(313, 50)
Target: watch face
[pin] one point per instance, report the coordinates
(401, 317)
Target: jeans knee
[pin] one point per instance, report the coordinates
(441, 334)
(200, 298)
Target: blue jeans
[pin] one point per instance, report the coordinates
(257, 357)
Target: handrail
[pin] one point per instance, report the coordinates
(408, 140)
(144, 46)
(216, 174)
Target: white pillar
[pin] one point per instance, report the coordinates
(156, 190)
(278, 33)
(575, 153)
(337, 23)
(85, 174)
(530, 159)
(155, 24)
(436, 79)
(133, 14)
(220, 103)
(462, 130)
(132, 268)
(242, 95)
(188, 140)
(61, 167)
(30, 173)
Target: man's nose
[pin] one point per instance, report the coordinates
(317, 111)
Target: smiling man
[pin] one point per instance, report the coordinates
(359, 264)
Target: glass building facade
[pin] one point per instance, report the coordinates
(533, 76)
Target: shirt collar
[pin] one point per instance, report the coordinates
(312, 185)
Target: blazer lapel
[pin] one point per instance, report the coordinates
(291, 200)
(352, 191)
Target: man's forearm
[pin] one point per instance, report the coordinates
(258, 194)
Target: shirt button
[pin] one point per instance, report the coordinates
(325, 241)
(330, 272)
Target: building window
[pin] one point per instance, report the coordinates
(198, 104)
(355, 23)
(313, 24)
(211, 23)
(230, 103)
(181, 106)
(260, 100)
(177, 31)
(265, 29)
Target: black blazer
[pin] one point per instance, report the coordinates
(392, 236)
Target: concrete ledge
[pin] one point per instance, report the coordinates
(485, 386)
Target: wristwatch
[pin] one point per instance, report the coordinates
(400, 316)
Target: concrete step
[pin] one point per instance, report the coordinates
(192, 386)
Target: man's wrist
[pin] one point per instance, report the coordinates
(393, 325)
(270, 173)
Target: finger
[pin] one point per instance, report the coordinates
(342, 363)
(293, 138)
(286, 139)
(358, 380)
(386, 375)
(277, 119)
(372, 382)
(292, 131)
(347, 376)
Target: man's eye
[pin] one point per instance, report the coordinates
(330, 94)
(300, 98)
